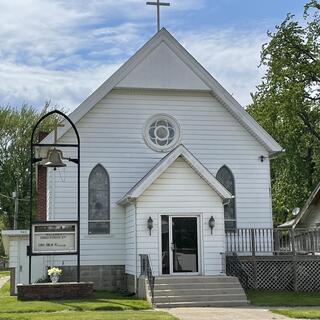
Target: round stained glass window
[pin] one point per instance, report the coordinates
(162, 132)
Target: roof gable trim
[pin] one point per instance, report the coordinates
(164, 164)
(217, 90)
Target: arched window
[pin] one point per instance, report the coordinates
(99, 201)
(225, 177)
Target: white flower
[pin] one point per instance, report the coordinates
(54, 271)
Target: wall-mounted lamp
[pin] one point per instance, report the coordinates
(211, 223)
(150, 224)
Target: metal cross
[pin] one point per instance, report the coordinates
(158, 4)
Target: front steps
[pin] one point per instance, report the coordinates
(198, 291)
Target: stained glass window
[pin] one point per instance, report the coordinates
(225, 177)
(99, 201)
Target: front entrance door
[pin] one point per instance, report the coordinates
(184, 253)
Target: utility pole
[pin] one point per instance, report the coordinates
(15, 196)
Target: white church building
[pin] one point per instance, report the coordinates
(169, 161)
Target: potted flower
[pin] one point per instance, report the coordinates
(54, 274)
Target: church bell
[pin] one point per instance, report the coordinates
(54, 159)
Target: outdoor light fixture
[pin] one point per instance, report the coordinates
(54, 159)
(150, 224)
(211, 223)
(262, 158)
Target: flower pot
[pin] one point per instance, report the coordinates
(54, 278)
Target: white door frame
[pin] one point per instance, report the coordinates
(199, 237)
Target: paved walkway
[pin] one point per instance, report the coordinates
(246, 313)
(3, 280)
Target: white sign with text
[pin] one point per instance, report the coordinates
(54, 238)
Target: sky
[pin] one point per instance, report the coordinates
(62, 50)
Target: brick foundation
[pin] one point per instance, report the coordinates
(111, 278)
(54, 291)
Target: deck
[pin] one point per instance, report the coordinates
(274, 259)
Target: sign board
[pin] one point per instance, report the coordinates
(50, 238)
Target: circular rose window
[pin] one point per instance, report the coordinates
(162, 132)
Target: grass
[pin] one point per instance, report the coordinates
(112, 315)
(103, 306)
(299, 313)
(4, 273)
(102, 301)
(283, 299)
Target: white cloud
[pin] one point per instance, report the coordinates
(231, 56)
(25, 84)
(63, 49)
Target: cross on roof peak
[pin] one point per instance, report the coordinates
(158, 4)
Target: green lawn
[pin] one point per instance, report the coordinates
(299, 313)
(100, 302)
(4, 273)
(283, 299)
(89, 315)
(104, 305)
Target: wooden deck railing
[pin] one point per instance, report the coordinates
(272, 241)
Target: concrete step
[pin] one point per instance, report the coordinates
(197, 292)
(179, 286)
(195, 298)
(196, 279)
(234, 303)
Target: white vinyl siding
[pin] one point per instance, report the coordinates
(130, 239)
(112, 134)
(180, 190)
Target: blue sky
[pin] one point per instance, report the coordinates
(62, 50)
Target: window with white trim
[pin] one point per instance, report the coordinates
(225, 177)
(99, 201)
(162, 132)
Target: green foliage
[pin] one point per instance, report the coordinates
(15, 132)
(283, 299)
(299, 313)
(287, 105)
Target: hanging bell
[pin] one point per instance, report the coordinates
(54, 159)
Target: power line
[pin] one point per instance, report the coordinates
(8, 197)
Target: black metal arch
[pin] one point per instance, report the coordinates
(34, 160)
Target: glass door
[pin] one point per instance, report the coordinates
(184, 253)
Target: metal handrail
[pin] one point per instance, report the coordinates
(146, 270)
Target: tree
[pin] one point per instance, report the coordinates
(15, 132)
(287, 105)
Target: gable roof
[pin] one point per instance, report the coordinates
(314, 197)
(180, 151)
(221, 94)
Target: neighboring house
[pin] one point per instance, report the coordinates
(161, 139)
(309, 215)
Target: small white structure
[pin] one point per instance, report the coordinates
(164, 147)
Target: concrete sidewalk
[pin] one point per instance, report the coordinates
(245, 313)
